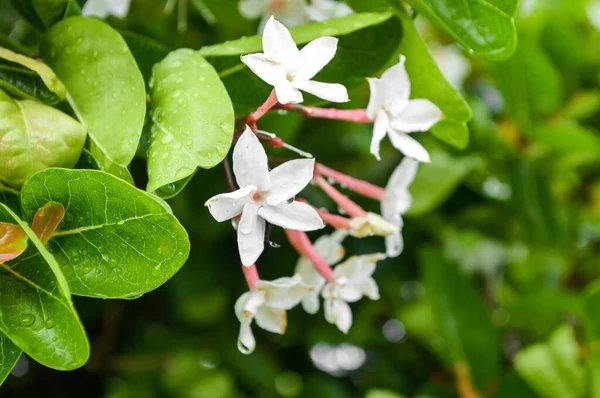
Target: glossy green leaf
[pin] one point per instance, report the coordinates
(115, 240)
(428, 82)
(105, 86)
(485, 27)
(44, 13)
(301, 34)
(462, 319)
(13, 241)
(146, 52)
(192, 118)
(552, 369)
(34, 136)
(46, 220)
(436, 181)
(23, 83)
(43, 71)
(9, 354)
(36, 311)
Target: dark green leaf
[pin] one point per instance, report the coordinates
(36, 312)
(44, 13)
(9, 354)
(105, 85)
(115, 240)
(192, 119)
(21, 82)
(146, 52)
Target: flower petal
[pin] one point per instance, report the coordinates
(252, 9)
(272, 319)
(246, 342)
(228, 205)
(409, 146)
(329, 247)
(310, 303)
(296, 215)
(284, 293)
(250, 162)
(247, 304)
(279, 46)
(370, 225)
(251, 245)
(263, 68)
(315, 55)
(358, 268)
(394, 244)
(370, 289)
(328, 91)
(418, 115)
(350, 292)
(287, 93)
(397, 78)
(403, 176)
(379, 92)
(380, 128)
(338, 313)
(322, 10)
(289, 179)
(95, 8)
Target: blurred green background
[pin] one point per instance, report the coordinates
(499, 270)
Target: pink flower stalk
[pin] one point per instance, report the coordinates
(251, 275)
(338, 222)
(264, 108)
(361, 187)
(342, 200)
(304, 247)
(349, 115)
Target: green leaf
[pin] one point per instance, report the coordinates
(22, 83)
(485, 27)
(428, 82)
(115, 241)
(35, 136)
(13, 241)
(9, 354)
(552, 369)
(437, 180)
(44, 13)
(46, 220)
(192, 118)
(44, 72)
(36, 311)
(301, 34)
(592, 336)
(568, 138)
(463, 321)
(105, 86)
(146, 52)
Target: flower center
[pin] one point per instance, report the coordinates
(277, 5)
(259, 196)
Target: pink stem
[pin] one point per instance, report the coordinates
(229, 174)
(251, 275)
(359, 186)
(342, 200)
(334, 220)
(350, 115)
(264, 108)
(304, 247)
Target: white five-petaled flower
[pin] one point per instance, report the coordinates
(267, 304)
(322, 10)
(330, 248)
(264, 195)
(290, 70)
(397, 201)
(396, 115)
(353, 280)
(289, 12)
(104, 8)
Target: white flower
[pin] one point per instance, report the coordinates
(267, 304)
(397, 116)
(452, 64)
(104, 8)
(397, 201)
(322, 10)
(353, 280)
(264, 195)
(290, 70)
(289, 12)
(370, 225)
(329, 247)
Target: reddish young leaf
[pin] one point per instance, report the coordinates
(47, 219)
(13, 241)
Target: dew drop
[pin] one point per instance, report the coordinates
(18, 294)
(49, 324)
(76, 259)
(55, 339)
(113, 262)
(105, 257)
(27, 320)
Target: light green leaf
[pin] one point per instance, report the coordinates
(35, 136)
(462, 319)
(9, 354)
(115, 241)
(438, 180)
(105, 86)
(552, 369)
(44, 13)
(486, 27)
(428, 82)
(36, 311)
(301, 34)
(192, 118)
(592, 336)
(44, 72)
